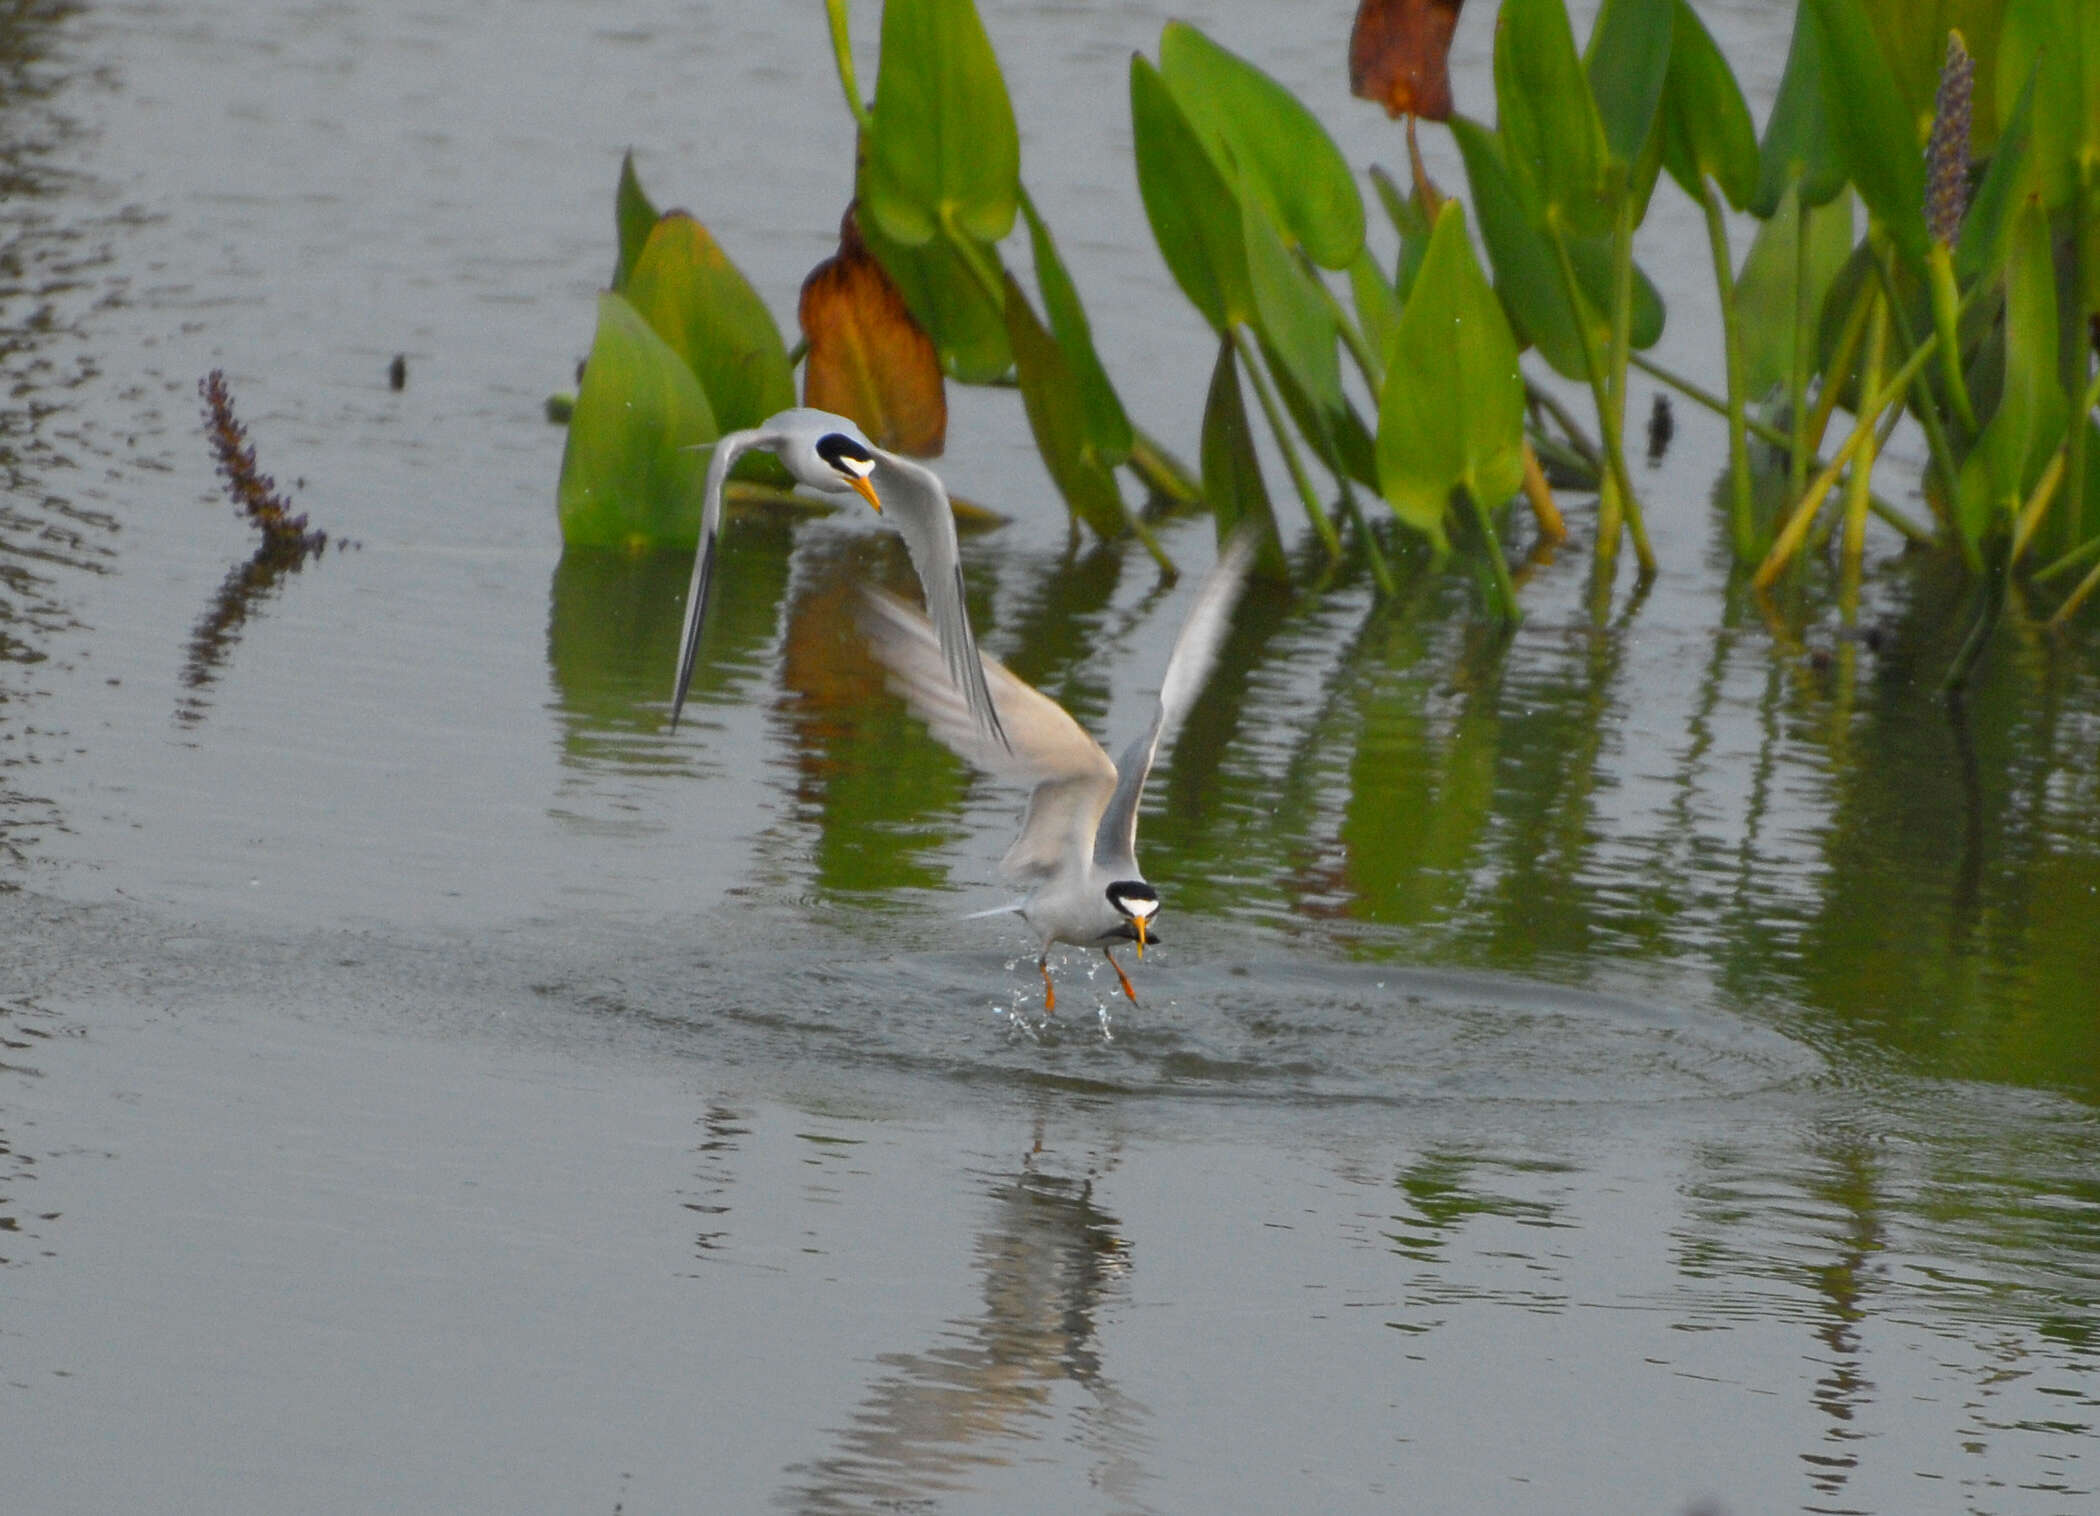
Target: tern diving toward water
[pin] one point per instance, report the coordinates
(1077, 852)
(831, 454)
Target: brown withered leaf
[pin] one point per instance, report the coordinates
(868, 359)
(1399, 54)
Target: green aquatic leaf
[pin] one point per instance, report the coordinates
(1452, 412)
(1298, 331)
(1194, 212)
(944, 155)
(1556, 152)
(1260, 135)
(1232, 479)
(629, 475)
(1627, 62)
(1878, 139)
(694, 298)
(2028, 425)
(1108, 433)
(1527, 275)
(1800, 144)
(2013, 176)
(1057, 414)
(633, 217)
(945, 296)
(1764, 290)
(2056, 43)
(1706, 125)
(1377, 306)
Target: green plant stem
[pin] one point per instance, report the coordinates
(1607, 422)
(1764, 431)
(2074, 493)
(1778, 439)
(1859, 482)
(1797, 373)
(1507, 608)
(2077, 598)
(1997, 573)
(1946, 305)
(1353, 338)
(1791, 535)
(842, 52)
(2080, 555)
(1381, 571)
(1162, 472)
(1841, 361)
(1741, 516)
(1928, 414)
(1570, 428)
(1251, 362)
(2030, 515)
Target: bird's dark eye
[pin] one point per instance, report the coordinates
(845, 455)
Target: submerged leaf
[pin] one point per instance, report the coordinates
(1264, 140)
(630, 476)
(1452, 412)
(695, 299)
(1399, 55)
(868, 359)
(944, 154)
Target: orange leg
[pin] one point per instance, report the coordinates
(1049, 989)
(1125, 978)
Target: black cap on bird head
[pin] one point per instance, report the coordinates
(852, 462)
(1137, 902)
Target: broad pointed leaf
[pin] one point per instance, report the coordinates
(633, 217)
(630, 477)
(1627, 61)
(1260, 136)
(1801, 142)
(967, 326)
(868, 359)
(1881, 145)
(1706, 125)
(2029, 422)
(1108, 433)
(1194, 213)
(1764, 289)
(693, 296)
(944, 154)
(1452, 413)
(1057, 415)
(1548, 118)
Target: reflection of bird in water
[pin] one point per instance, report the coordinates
(831, 454)
(1077, 852)
(979, 1395)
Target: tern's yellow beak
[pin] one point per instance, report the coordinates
(1139, 922)
(866, 491)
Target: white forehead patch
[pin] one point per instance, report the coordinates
(860, 468)
(1140, 907)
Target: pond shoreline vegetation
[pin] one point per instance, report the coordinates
(1969, 305)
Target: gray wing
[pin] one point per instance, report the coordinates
(727, 450)
(1188, 667)
(916, 504)
(1039, 742)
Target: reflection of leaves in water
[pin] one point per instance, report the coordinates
(1047, 1258)
(613, 620)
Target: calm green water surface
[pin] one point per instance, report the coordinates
(1643, 1061)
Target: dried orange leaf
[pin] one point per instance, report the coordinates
(868, 359)
(1398, 55)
